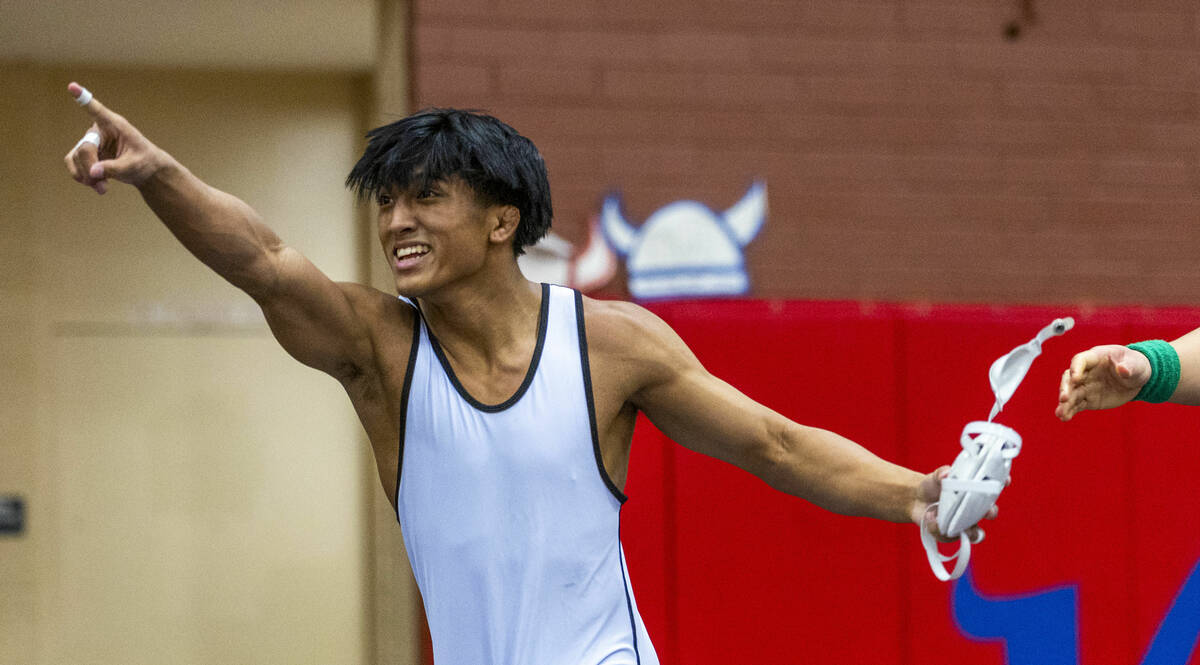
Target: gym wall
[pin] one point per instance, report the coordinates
(939, 189)
(912, 152)
(193, 494)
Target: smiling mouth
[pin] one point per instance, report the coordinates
(406, 256)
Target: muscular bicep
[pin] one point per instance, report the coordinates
(318, 321)
(699, 411)
(703, 413)
(694, 408)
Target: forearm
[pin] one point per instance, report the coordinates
(1188, 348)
(839, 475)
(221, 230)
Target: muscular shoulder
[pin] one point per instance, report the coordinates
(387, 327)
(375, 306)
(634, 342)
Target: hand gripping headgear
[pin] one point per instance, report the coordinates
(981, 470)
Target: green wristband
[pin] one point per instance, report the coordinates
(1164, 370)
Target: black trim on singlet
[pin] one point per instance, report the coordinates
(543, 315)
(591, 402)
(408, 376)
(625, 584)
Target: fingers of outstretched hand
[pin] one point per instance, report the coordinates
(84, 98)
(1079, 379)
(926, 494)
(81, 159)
(1067, 400)
(124, 154)
(930, 524)
(1082, 363)
(931, 485)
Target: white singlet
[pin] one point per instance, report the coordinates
(510, 520)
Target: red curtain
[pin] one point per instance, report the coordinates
(727, 570)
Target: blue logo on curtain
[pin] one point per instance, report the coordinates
(1043, 628)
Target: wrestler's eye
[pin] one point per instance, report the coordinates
(383, 200)
(427, 193)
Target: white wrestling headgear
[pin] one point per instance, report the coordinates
(981, 470)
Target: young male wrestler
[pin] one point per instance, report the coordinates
(500, 411)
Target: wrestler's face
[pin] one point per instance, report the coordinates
(438, 235)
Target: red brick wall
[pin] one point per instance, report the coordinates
(911, 152)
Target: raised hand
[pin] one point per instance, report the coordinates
(1101, 378)
(111, 148)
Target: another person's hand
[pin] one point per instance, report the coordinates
(928, 493)
(111, 148)
(1101, 378)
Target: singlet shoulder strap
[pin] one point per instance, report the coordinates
(585, 365)
(404, 392)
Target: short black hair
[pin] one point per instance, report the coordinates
(435, 144)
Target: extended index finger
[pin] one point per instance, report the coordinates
(84, 98)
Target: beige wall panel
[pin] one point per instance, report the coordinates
(283, 143)
(195, 496)
(267, 34)
(18, 369)
(205, 508)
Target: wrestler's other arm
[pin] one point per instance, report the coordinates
(706, 414)
(315, 319)
(1110, 375)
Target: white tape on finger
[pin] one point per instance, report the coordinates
(84, 97)
(90, 137)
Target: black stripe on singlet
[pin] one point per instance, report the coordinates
(612, 487)
(591, 402)
(408, 376)
(543, 314)
(628, 601)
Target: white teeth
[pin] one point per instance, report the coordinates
(402, 252)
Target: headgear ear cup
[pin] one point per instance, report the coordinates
(977, 476)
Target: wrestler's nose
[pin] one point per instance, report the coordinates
(400, 218)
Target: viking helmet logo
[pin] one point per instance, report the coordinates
(684, 249)
(556, 261)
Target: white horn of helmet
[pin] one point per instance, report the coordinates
(746, 217)
(619, 233)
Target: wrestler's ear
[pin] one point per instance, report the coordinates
(505, 220)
